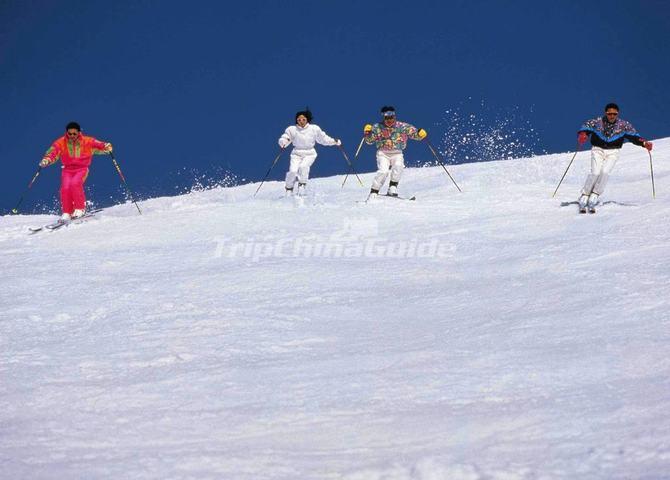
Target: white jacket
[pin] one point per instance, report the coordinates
(304, 138)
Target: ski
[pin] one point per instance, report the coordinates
(608, 202)
(367, 200)
(387, 196)
(567, 204)
(57, 225)
(49, 226)
(36, 229)
(60, 223)
(412, 198)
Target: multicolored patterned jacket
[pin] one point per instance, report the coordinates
(611, 135)
(393, 137)
(75, 153)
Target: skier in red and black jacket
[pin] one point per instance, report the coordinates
(607, 137)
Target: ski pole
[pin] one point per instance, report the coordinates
(355, 157)
(15, 210)
(270, 169)
(432, 149)
(351, 165)
(651, 167)
(123, 179)
(566, 171)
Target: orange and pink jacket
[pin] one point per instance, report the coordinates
(75, 153)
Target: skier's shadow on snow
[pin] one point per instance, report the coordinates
(608, 202)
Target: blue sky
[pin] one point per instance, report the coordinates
(209, 86)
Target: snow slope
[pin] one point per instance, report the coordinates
(484, 335)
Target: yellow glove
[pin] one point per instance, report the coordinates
(367, 129)
(422, 133)
(44, 162)
(108, 147)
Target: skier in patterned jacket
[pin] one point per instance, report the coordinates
(390, 138)
(304, 135)
(75, 151)
(607, 136)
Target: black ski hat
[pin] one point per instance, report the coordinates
(388, 111)
(612, 105)
(73, 125)
(306, 113)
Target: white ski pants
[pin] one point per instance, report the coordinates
(389, 161)
(301, 162)
(602, 163)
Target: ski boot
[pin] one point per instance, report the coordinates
(393, 189)
(372, 196)
(583, 202)
(593, 201)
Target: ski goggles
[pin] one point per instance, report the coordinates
(389, 114)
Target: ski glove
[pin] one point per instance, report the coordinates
(44, 162)
(648, 145)
(422, 133)
(283, 142)
(338, 142)
(582, 138)
(108, 147)
(367, 129)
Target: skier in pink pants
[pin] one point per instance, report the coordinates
(75, 152)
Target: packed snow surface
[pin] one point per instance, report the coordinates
(486, 335)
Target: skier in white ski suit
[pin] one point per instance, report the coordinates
(607, 136)
(304, 135)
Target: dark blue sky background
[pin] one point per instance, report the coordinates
(187, 89)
